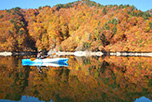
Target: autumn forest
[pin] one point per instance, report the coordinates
(81, 25)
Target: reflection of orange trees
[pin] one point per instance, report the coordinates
(137, 66)
(86, 79)
(12, 78)
(5, 81)
(137, 70)
(115, 77)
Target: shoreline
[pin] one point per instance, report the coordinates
(5, 53)
(83, 53)
(89, 53)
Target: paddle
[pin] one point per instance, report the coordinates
(32, 59)
(51, 52)
(54, 54)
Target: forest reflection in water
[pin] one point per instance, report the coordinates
(85, 79)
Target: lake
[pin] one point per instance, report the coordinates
(86, 79)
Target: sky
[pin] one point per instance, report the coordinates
(143, 5)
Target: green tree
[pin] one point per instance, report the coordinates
(104, 11)
(114, 30)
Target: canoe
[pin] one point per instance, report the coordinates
(45, 62)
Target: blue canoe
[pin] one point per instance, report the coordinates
(46, 62)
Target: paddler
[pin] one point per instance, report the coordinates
(40, 55)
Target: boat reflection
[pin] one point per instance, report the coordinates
(60, 64)
(41, 64)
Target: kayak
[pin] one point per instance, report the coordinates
(45, 62)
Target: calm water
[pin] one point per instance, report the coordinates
(93, 79)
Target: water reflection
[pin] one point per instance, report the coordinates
(25, 99)
(85, 79)
(143, 99)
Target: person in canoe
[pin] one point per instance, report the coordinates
(40, 55)
(51, 54)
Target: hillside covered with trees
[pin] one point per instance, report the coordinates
(80, 25)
